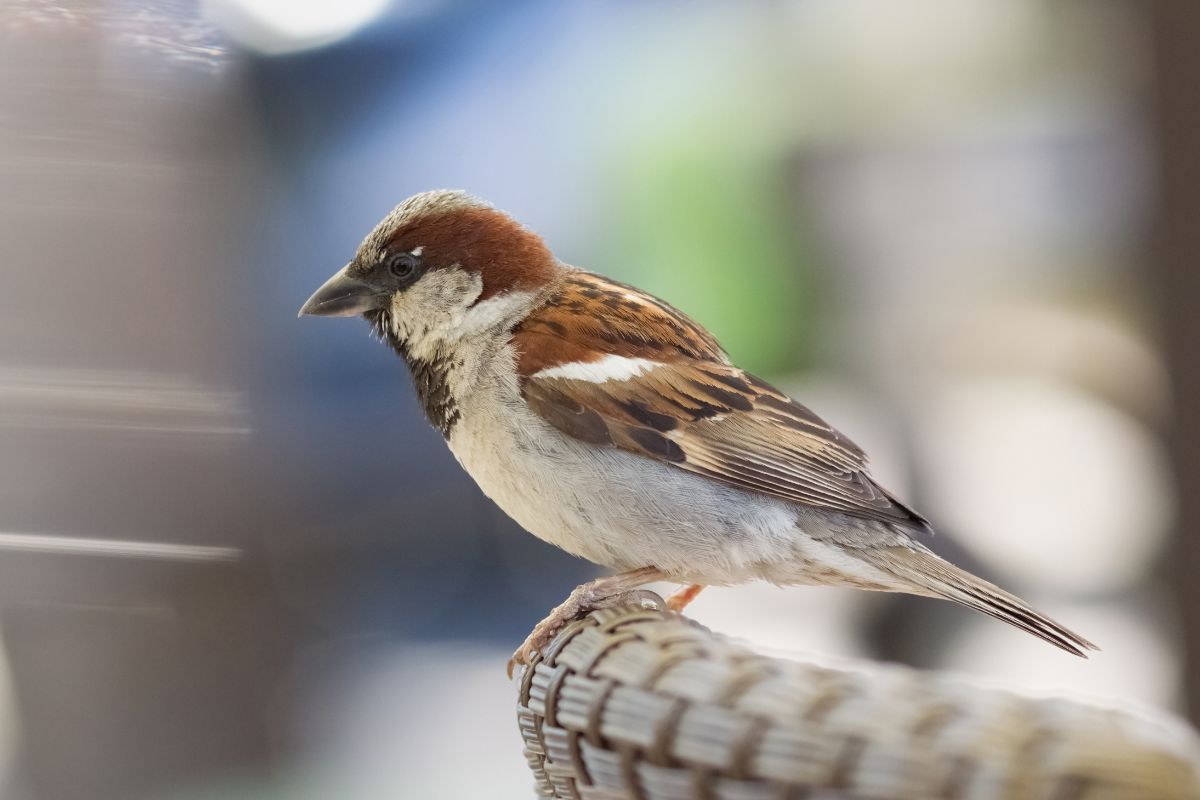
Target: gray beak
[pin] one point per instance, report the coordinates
(343, 296)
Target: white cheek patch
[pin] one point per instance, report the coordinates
(497, 310)
(608, 368)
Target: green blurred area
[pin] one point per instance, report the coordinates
(714, 236)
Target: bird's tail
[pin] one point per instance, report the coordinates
(922, 572)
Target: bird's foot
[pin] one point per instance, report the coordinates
(601, 593)
(683, 597)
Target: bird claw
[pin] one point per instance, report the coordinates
(581, 602)
(521, 657)
(541, 635)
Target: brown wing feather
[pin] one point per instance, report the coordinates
(691, 415)
(634, 324)
(695, 411)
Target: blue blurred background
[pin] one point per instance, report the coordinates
(235, 562)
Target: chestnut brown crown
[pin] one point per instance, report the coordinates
(453, 229)
(432, 231)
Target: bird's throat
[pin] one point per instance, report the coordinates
(431, 375)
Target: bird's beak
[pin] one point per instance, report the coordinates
(343, 295)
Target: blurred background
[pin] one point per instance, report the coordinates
(235, 562)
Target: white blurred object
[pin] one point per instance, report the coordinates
(284, 26)
(798, 619)
(393, 725)
(113, 548)
(1135, 662)
(68, 398)
(1093, 348)
(1044, 482)
(951, 40)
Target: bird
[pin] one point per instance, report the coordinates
(611, 425)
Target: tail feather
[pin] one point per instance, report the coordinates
(926, 574)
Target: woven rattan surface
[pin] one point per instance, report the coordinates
(640, 704)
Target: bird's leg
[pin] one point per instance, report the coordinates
(594, 594)
(684, 596)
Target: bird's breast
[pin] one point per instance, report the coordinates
(527, 468)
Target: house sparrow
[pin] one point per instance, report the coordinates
(611, 425)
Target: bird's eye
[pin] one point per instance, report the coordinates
(402, 265)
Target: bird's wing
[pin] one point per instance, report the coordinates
(652, 382)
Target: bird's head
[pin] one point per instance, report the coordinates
(439, 266)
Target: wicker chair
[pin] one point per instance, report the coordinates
(636, 703)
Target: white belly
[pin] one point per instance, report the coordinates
(622, 510)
